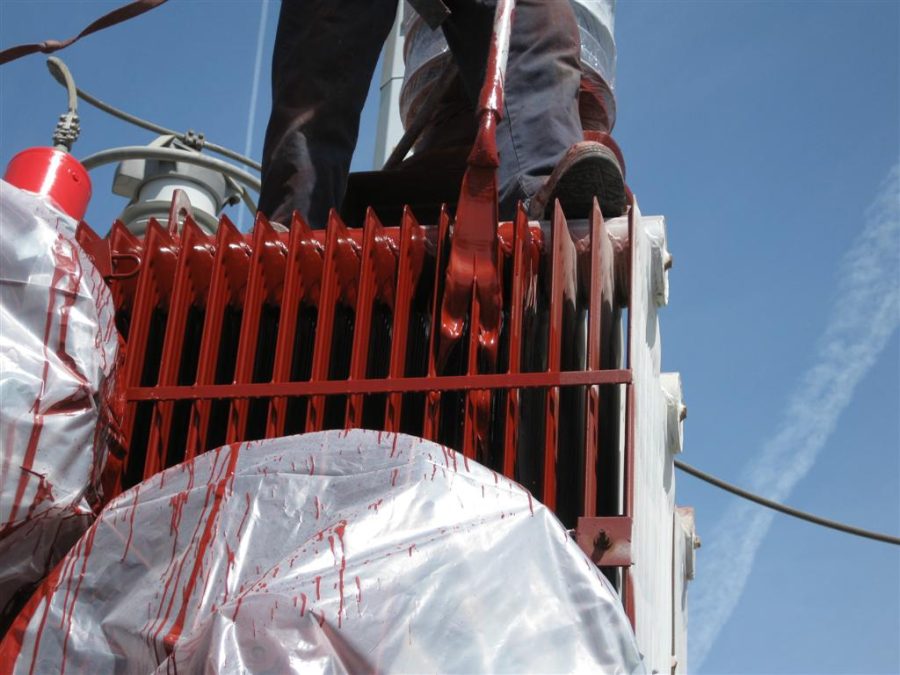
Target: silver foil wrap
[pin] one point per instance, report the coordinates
(332, 552)
(57, 348)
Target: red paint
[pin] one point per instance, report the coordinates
(244, 517)
(394, 444)
(480, 381)
(339, 530)
(177, 503)
(137, 490)
(318, 583)
(88, 540)
(203, 544)
(394, 475)
(316, 499)
(411, 547)
(67, 274)
(374, 505)
(303, 606)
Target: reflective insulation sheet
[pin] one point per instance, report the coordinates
(327, 552)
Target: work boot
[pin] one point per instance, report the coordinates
(588, 169)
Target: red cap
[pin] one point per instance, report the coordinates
(54, 174)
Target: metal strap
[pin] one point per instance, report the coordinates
(118, 15)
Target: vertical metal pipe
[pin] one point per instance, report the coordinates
(266, 254)
(409, 266)
(153, 287)
(522, 276)
(173, 346)
(365, 301)
(230, 252)
(303, 274)
(596, 237)
(329, 294)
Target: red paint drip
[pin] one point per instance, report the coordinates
(311, 465)
(244, 518)
(137, 490)
(339, 531)
(175, 631)
(358, 594)
(374, 505)
(65, 268)
(303, 606)
(318, 588)
(318, 510)
(177, 503)
(394, 475)
(411, 550)
(88, 546)
(394, 444)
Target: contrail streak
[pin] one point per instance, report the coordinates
(866, 313)
(254, 92)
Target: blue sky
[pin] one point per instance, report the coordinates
(764, 132)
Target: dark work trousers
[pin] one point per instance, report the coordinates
(324, 56)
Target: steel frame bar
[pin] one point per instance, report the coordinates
(203, 392)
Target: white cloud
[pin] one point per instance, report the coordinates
(866, 313)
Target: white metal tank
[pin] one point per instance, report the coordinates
(426, 55)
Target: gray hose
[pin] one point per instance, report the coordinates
(172, 155)
(67, 128)
(61, 74)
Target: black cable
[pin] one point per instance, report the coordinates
(150, 126)
(796, 513)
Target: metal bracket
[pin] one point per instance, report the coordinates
(606, 540)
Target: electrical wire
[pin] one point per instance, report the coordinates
(145, 124)
(67, 128)
(172, 155)
(796, 513)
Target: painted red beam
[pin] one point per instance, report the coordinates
(575, 378)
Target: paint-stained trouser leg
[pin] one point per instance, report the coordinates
(543, 74)
(324, 56)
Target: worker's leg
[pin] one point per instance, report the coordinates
(324, 56)
(543, 74)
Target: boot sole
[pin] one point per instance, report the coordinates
(592, 172)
